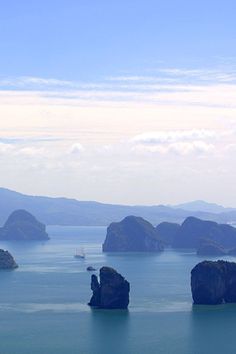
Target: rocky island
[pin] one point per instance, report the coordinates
(6, 260)
(135, 234)
(193, 230)
(112, 292)
(23, 226)
(213, 283)
(132, 234)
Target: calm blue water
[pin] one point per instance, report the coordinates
(43, 304)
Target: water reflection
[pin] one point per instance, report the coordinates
(109, 331)
(213, 328)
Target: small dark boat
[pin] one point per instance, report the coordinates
(90, 269)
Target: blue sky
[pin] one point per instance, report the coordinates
(119, 101)
(87, 40)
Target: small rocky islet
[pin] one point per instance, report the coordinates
(7, 261)
(112, 292)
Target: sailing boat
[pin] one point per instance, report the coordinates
(79, 253)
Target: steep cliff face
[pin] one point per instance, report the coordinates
(23, 226)
(230, 294)
(193, 230)
(213, 282)
(112, 292)
(6, 260)
(95, 300)
(132, 234)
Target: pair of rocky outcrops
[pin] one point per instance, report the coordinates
(134, 234)
(212, 283)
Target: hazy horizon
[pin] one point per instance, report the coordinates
(125, 204)
(125, 103)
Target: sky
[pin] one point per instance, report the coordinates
(129, 101)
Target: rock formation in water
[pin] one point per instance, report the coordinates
(193, 230)
(166, 231)
(6, 260)
(214, 282)
(210, 248)
(23, 226)
(112, 292)
(132, 234)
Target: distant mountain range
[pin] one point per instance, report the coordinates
(200, 205)
(64, 211)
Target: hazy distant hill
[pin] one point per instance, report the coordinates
(201, 205)
(64, 211)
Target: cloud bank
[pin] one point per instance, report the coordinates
(126, 139)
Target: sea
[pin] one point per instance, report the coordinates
(43, 303)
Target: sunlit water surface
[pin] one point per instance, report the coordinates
(43, 304)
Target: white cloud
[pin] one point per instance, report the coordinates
(76, 149)
(174, 75)
(29, 81)
(5, 148)
(172, 136)
(16, 150)
(181, 142)
(121, 133)
(215, 75)
(30, 151)
(197, 148)
(172, 87)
